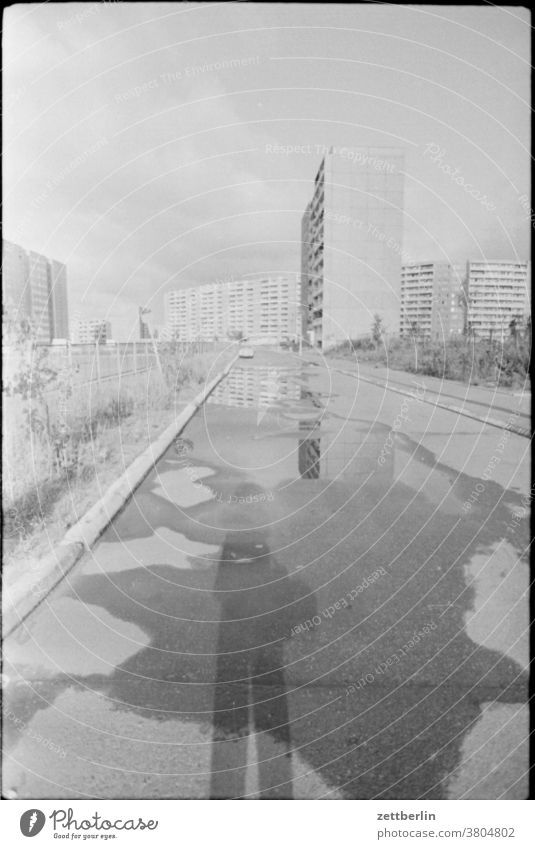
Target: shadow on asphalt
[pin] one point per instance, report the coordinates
(250, 691)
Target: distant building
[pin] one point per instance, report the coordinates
(432, 300)
(36, 288)
(165, 333)
(144, 329)
(92, 331)
(352, 244)
(256, 308)
(496, 292)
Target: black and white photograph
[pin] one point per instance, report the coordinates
(266, 396)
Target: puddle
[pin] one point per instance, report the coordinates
(255, 387)
(500, 616)
(167, 757)
(183, 486)
(164, 546)
(494, 756)
(80, 639)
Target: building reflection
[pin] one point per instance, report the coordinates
(309, 454)
(348, 449)
(256, 387)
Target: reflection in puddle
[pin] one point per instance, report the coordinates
(351, 454)
(309, 458)
(329, 446)
(258, 387)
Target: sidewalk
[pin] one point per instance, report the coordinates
(498, 402)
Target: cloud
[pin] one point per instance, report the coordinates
(136, 138)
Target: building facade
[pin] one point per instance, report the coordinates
(35, 287)
(92, 331)
(432, 302)
(264, 308)
(496, 293)
(306, 272)
(39, 278)
(352, 244)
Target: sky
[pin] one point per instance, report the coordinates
(153, 146)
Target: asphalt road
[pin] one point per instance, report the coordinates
(296, 603)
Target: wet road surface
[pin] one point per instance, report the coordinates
(294, 604)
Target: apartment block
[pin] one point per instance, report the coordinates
(87, 332)
(39, 280)
(308, 272)
(352, 244)
(496, 292)
(35, 287)
(432, 302)
(263, 309)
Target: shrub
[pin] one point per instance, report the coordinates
(55, 442)
(464, 359)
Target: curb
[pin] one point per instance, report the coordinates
(435, 402)
(28, 594)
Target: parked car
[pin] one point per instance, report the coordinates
(246, 353)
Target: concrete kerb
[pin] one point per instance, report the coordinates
(433, 399)
(29, 592)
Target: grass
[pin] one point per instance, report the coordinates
(471, 361)
(80, 441)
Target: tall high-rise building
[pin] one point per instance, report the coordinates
(496, 292)
(352, 244)
(432, 300)
(35, 287)
(264, 308)
(306, 270)
(40, 294)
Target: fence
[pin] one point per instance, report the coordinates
(97, 363)
(80, 366)
(94, 363)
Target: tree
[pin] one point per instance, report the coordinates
(236, 334)
(415, 329)
(377, 329)
(514, 325)
(27, 372)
